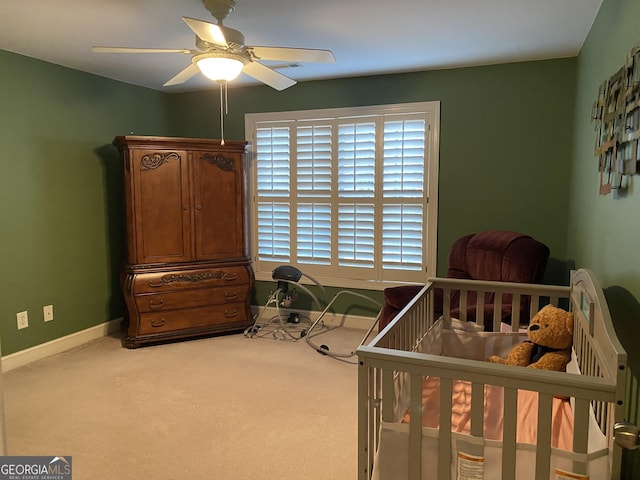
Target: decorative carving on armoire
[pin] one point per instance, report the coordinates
(186, 277)
(156, 159)
(219, 161)
(188, 271)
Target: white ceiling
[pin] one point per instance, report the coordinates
(366, 36)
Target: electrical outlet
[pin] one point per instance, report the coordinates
(47, 313)
(23, 319)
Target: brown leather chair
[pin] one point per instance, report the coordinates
(496, 255)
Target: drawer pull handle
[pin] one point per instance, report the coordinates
(230, 277)
(158, 323)
(230, 297)
(233, 313)
(156, 304)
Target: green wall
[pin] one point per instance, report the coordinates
(61, 195)
(604, 231)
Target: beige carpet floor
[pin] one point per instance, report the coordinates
(226, 407)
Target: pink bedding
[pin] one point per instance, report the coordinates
(562, 416)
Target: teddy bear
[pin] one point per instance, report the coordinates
(550, 335)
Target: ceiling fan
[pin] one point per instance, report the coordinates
(222, 55)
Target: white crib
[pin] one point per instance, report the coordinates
(394, 366)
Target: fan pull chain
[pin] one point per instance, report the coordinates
(223, 105)
(226, 100)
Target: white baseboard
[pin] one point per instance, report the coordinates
(23, 357)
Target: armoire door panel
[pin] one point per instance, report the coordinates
(163, 206)
(219, 205)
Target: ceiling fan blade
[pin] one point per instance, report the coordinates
(209, 32)
(185, 74)
(287, 54)
(268, 76)
(140, 50)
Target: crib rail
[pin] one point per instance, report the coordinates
(392, 362)
(477, 293)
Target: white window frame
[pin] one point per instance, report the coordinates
(431, 111)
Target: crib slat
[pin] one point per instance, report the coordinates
(444, 441)
(509, 433)
(415, 428)
(515, 312)
(463, 305)
(543, 441)
(388, 394)
(497, 308)
(446, 303)
(480, 310)
(580, 432)
(534, 306)
(477, 409)
(365, 420)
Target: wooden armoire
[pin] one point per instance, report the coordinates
(187, 270)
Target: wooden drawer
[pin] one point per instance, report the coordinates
(189, 279)
(192, 318)
(156, 302)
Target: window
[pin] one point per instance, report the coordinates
(347, 195)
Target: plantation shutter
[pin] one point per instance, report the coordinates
(273, 190)
(314, 194)
(356, 196)
(345, 196)
(403, 193)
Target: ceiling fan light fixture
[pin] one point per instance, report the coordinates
(220, 66)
